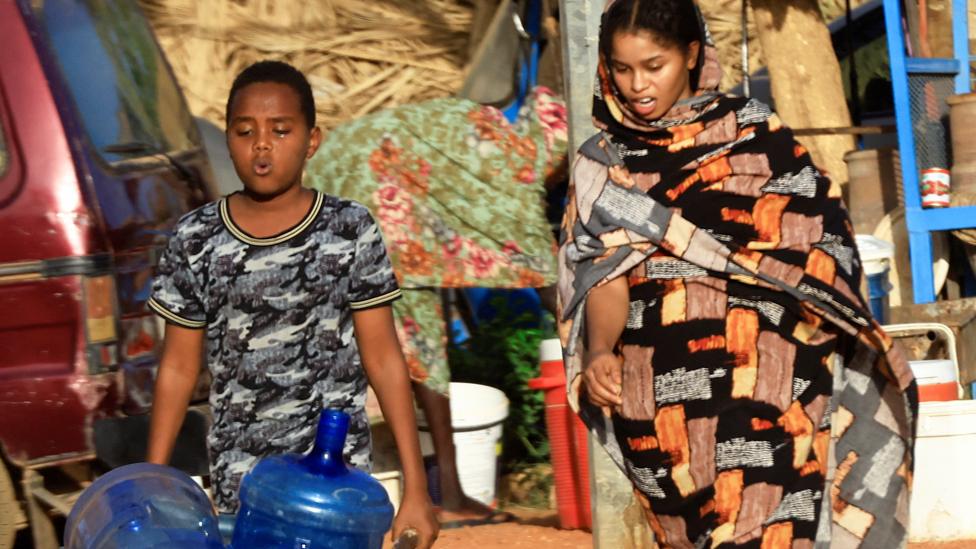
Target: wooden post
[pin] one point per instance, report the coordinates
(939, 16)
(618, 522)
(805, 77)
(579, 28)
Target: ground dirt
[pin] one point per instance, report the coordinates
(531, 529)
(539, 529)
(536, 529)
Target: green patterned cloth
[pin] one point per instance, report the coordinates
(458, 193)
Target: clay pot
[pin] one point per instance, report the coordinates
(874, 186)
(962, 125)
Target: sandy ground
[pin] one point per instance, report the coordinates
(532, 529)
(538, 529)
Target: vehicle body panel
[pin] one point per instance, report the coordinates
(82, 227)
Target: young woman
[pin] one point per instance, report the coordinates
(716, 342)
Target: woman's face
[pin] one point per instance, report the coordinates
(651, 76)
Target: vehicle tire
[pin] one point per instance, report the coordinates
(9, 509)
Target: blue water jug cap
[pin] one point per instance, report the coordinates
(319, 490)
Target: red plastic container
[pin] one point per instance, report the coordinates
(567, 441)
(938, 380)
(933, 392)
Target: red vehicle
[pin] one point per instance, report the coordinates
(99, 157)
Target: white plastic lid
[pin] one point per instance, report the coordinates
(875, 253)
(933, 371)
(550, 349)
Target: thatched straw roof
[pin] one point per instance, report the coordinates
(360, 55)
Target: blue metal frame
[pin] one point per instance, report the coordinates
(921, 222)
(925, 65)
(960, 43)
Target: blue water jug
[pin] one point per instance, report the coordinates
(143, 505)
(307, 502)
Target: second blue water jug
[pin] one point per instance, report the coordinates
(313, 501)
(146, 506)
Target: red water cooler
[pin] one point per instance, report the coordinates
(567, 440)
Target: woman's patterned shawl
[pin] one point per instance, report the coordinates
(720, 183)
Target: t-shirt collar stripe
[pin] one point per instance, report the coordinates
(290, 233)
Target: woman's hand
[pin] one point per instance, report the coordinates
(602, 377)
(417, 514)
(606, 317)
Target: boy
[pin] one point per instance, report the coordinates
(290, 288)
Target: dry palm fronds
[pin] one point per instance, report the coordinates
(359, 55)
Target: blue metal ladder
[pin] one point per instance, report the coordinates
(904, 71)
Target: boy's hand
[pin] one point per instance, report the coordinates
(387, 372)
(417, 513)
(602, 377)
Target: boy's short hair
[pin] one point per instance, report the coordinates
(281, 73)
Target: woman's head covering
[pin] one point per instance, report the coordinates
(610, 109)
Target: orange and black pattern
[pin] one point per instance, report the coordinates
(723, 425)
(744, 320)
(762, 406)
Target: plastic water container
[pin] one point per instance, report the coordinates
(143, 505)
(942, 492)
(477, 415)
(314, 501)
(567, 440)
(936, 379)
(876, 257)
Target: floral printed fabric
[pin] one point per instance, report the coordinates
(457, 191)
(423, 335)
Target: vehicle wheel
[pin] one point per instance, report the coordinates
(9, 509)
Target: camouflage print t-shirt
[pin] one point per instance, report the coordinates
(278, 316)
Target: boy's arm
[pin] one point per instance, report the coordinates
(175, 381)
(387, 373)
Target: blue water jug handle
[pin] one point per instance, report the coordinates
(326, 455)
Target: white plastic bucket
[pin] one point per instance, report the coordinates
(477, 414)
(876, 257)
(392, 482)
(945, 481)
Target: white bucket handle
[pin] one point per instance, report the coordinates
(916, 328)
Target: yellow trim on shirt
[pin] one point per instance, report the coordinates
(290, 233)
(170, 316)
(373, 302)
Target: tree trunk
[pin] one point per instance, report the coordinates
(805, 77)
